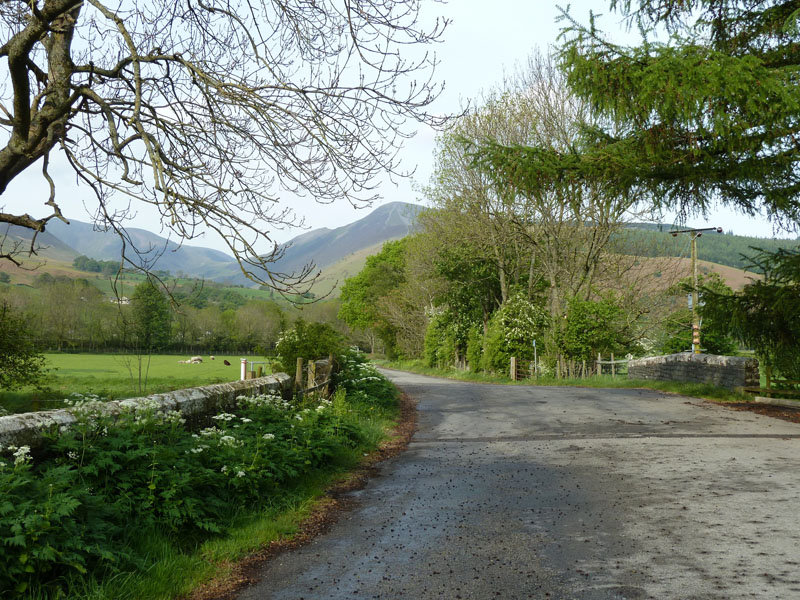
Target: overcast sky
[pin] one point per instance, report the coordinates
(484, 41)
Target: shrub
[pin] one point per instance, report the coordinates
(512, 330)
(446, 339)
(310, 341)
(592, 327)
(20, 363)
(475, 343)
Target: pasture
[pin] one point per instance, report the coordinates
(117, 376)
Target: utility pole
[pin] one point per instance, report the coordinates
(694, 234)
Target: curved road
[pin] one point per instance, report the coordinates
(542, 492)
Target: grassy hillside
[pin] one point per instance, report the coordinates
(723, 249)
(333, 276)
(661, 273)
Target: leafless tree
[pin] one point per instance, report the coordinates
(209, 110)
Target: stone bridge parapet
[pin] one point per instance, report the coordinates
(732, 372)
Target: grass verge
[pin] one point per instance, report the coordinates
(141, 509)
(695, 390)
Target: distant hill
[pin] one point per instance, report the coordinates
(48, 246)
(86, 239)
(339, 253)
(332, 276)
(724, 249)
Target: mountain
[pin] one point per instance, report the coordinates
(325, 247)
(339, 252)
(156, 251)
(48, 246)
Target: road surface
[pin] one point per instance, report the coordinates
(547, 493)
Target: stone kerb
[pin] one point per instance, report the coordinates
(732, 372)
(193, 403)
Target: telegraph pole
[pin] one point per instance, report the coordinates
(694, 234)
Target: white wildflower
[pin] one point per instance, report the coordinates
(209, 431)
(240, 473)
(22, 455)
(224, 417)
(230, 441)
(268, 436)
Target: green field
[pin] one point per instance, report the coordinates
(116, 376)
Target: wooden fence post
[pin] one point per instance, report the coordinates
(583, 369)
(768, 378)
(513, 368)
(312, 374)
(613, 370)
(599, 364)
(330, 374)
(298, 375)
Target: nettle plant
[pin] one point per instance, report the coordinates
(98, 486)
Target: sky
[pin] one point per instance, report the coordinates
(483, 41)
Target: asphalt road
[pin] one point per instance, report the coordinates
(542, 492)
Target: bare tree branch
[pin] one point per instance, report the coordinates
(210, 111)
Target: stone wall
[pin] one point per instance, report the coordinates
(194, 404)
(730, 372)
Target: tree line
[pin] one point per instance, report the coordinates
(66, 314)
(529, 239)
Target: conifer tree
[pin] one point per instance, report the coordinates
(709, 114)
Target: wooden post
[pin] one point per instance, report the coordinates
(558, 367)
(613, 370)
(260, 371)
(330, 374)
(768, 376)
(599, 366)
(583, 369)
(312, 374)
(513, 369)
(298, 376)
